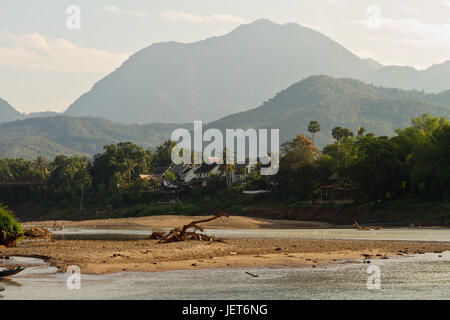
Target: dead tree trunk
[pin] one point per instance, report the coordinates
(181, 234)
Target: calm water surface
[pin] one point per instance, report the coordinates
(423, 234)
(412, 277)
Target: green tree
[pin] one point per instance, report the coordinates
(121, 165)
(227, 168)
(296, 176)
(10, 229)
(70, 175)
(313, 128)
(163, 154)
(339, 133)
(169, 176)
(378, 171)
(424, 145)
(361, 131)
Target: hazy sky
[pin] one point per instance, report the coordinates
(44, 65)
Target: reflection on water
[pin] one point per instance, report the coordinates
(383, 234)
(413, 277)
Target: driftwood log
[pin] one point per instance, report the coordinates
(182, 233)
(357, 226)
(57, 227)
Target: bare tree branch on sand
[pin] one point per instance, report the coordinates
(182, 233)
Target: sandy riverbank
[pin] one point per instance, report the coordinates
(99, 257)
(171, 221)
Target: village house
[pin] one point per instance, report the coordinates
(183, 173)
(336, 191)
(159, 172)
(158, 176)
(205, 170)
(202, 173)
(194, 175)
(240, 172)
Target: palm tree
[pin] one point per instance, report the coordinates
(313, 128)
(163, 154)
(129, 165)
(227, 168)
(361, 131)
(338, 134)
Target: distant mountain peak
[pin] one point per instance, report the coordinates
(440, 66)
(174, 82)
(7, 112)
(266, 24)
(264, 21)
(212, 78)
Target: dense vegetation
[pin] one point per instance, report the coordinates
(10, 229)
(346, 102)
(413, 164)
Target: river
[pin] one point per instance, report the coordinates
(412, 277)
(424, 276)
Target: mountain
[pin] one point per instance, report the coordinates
(206, 80)
(51, 136)
(7, 112)
(338, 102)
(442, 97)
(434, 79)
(375, 65)
(31, 147)
(42, 114)
(333, 102)
(176, 82)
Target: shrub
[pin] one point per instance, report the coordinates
(10, 229)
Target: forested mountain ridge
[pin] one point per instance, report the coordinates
(175, 82)
(433, 79)
(332, 102)
(338, 102)
(51, 136)
(206, 80)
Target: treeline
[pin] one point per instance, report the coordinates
(115, 170)
(415, 163)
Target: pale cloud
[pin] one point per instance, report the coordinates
(34, 51)
(177, 16)
(446, 3)
(111, 9)
(419, 32)
(338, 2)
(410, 10)
(115, 9)
(413, 31)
